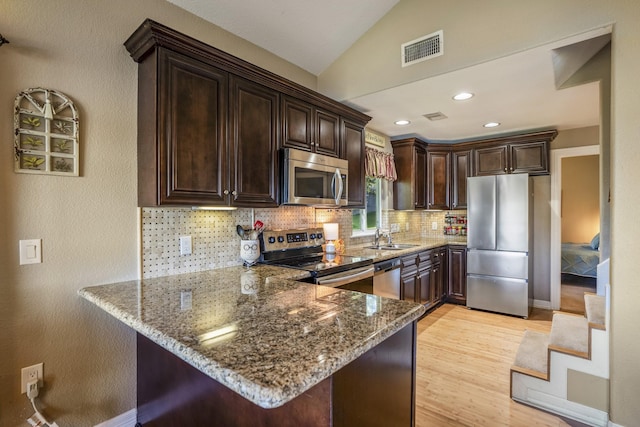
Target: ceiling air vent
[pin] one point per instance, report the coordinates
(435, 116)
(423, 48)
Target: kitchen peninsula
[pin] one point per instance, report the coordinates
(251, 346)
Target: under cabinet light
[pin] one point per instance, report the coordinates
(213, 208)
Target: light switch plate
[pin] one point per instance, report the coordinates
(30, 251)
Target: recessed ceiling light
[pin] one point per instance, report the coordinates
(402, 122)
(462, 96)
(491, 124)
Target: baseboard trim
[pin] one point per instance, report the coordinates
(538, 303)
(127, 419)
(565, 408)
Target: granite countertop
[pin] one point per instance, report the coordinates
(420, 245)
(255, 330)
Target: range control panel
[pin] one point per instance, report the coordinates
(277, 240)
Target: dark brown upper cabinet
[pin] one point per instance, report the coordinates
(182, 132)
(409, 190)
(527, 153)
(438, 178)
(308, 128)
(210, 125)
(460, 171)
(254, 144)
(353, 149)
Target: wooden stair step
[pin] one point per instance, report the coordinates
(595, 310)
(532, 357)
(570, 334)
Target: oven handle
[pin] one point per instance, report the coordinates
(337, 280)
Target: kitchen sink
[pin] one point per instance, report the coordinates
(392, 247)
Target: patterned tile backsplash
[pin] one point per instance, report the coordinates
(216, 244)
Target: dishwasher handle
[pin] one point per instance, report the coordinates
(387, 265)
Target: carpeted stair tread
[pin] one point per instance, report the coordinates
(532, 353)
(595, 309)
(570, 334)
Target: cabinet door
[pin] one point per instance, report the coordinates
(457, 280)
(353, 150)
(409, 190)
(254, 137)
(440, 258)
(408, 287)
(424, 286)
(461, 170)
(532, 158)
(327, 133)
(420, 184)
(490, 161)
(297, 124)
(438, 169)
(191, 140)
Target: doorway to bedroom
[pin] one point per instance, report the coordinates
(580, 228)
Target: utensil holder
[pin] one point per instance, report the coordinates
(249, 251)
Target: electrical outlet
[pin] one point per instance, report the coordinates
(395, 228)
(31, 373)
(406, 226)
(185, 245)
(434, 225)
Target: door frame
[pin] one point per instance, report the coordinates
(556, 220)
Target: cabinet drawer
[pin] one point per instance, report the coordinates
(409, 261)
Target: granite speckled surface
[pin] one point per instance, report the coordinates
(420, 245)
(255, 330)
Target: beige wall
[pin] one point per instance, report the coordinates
(580, 198)
(579, 137)
(481, 31)
(88, 224)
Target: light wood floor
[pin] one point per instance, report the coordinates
(463, 362)
(572, 296)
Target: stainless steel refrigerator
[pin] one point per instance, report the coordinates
(500, 243)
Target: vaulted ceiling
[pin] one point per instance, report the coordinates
(523, 91)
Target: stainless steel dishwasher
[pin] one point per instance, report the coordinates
(386, 278)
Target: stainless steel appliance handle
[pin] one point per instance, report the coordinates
(340, 279)
(337, 177)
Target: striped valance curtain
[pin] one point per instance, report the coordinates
(379, 164)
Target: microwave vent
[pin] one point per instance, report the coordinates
(423, 48)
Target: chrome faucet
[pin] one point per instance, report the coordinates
(376, 237)
(389, 239)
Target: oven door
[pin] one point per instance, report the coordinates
(359, 279)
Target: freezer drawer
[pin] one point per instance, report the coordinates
(499, 294)
(514, 265)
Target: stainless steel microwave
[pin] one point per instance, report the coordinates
(314, 179)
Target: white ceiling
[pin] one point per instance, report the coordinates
(519, 91)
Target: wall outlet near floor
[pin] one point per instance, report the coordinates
(434, 225)
(395, 228)
(30, 373)
(186, 247)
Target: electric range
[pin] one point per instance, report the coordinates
(302, 249)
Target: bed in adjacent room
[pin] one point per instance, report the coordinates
(581, 259)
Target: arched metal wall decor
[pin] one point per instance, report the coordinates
(46, 133)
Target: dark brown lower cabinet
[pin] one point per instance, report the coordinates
(376, 389)
(457, 261)
(423, 277)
